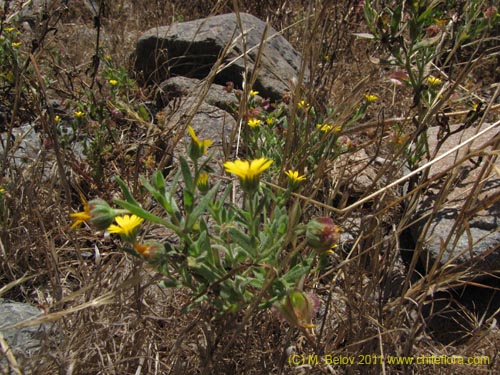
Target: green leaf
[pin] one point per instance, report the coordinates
(146, 215)
(188, 200)
(168, 284)
(427, 42)
(395, 20)
(428, 13)
(201, 206)
(200, 268)
(186, 174)
(159, 182)
(143, 113)
(165, 203)
(126, 191)
(243, 240)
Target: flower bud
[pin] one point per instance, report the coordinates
(102, 213)
(150, 250)
(202, 182)
(299, 308)
(322, 233)
(197, 147)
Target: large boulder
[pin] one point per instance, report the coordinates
(183, 87)
(475, 237)
(190, 49)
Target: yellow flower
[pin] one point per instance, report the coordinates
(202, 182)
(294, 179)
(370, 98)
(325, 128)
(254, 122)
(127, 226)
(433, 81)
(248, 172)
(253, 93)
(9, 29)
(113, 82)
(108, 57)
(79, 114)
(440, 21)
(2, 190)
(303, 105)
(294, 176)
(198, 147)
(15, 44)
(81, 217)
(57, 118)
(270, 120)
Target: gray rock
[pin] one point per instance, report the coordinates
(25, 144)
(209, 122)
(24, 342)
(178, 87)
(475, 241)
(190, 49)
(27, 12)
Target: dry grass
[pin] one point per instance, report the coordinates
(108, 313)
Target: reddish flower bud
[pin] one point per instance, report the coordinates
(322, 233)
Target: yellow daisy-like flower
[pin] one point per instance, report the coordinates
(127, 226)
(15, 44)
(294, 176)
(254, 122)
(270, 120)
(248, 172)
(253, 93)
(81, 217)
(113, 82)
(9, 29)
(325, 128)
(303, 105)
(433, 81)
(2, 190)
(370, 98)
(197, 147)
(57, 118)
(294, 179)
(108, 57)
(202, 182)
(79, 114)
